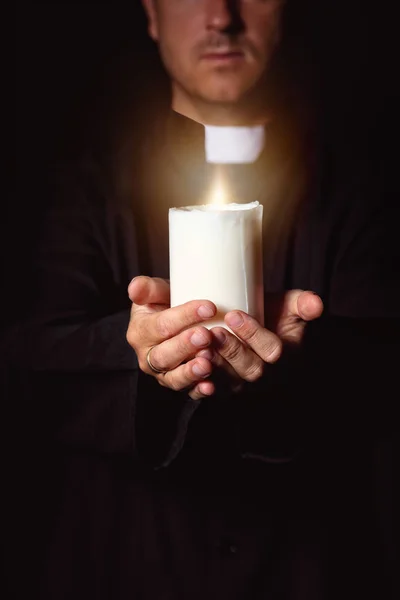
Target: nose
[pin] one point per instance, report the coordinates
(221, 14)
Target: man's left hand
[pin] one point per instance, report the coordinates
(244, 357)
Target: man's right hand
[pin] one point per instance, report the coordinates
(173, 335)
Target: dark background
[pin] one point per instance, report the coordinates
(63, 54)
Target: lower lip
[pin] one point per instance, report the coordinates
(231, 57)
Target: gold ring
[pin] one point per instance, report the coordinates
(152, 367)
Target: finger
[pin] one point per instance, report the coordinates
(182, 347)
(309, 306)
(298, 308)
(185, 376)
(224, 375)
(149, 290)
(220, 363)
(243, 362)
(263, 342)
(140, 311)
(168, 323)
(305, 305)
(202, 390)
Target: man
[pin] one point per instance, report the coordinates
(202, 464)
(218, 67)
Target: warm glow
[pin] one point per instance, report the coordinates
(219, 190)
(218, 194)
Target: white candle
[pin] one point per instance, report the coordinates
(216, 254)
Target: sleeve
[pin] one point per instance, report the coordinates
(77, 378)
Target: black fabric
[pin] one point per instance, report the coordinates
(137, 491)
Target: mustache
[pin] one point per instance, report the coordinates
(230, 42)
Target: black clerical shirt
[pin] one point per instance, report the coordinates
(135, 491)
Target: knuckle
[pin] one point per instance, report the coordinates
(188, 375)
(130, 338)
(273, 350)
(183, 344)
(187, 314)
(190, 313)
(164, 325)
(132, 335)
(251, 333)
(232, 351)
(174, 384)
(142, 362)
(136, 333)
(255, 372)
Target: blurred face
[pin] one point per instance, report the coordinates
(216, 51)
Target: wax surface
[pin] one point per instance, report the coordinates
(216, 254)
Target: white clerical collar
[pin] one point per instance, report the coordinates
(233, 145)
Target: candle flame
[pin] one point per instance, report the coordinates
(219, 190)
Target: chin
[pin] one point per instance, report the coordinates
(218, 98)
(229, 90)
(223, 94)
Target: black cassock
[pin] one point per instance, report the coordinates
(124, 489)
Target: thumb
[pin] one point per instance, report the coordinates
(309, 306)
(149, 290)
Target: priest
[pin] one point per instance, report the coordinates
(174, 461)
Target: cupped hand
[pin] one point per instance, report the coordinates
(243, 356)
(172, 336)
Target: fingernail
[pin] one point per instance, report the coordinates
(199, 370)
(205, 312)
(199, 339)
(234, 319)
(208, 354)
(220, 336)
